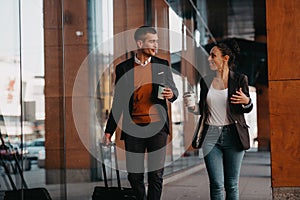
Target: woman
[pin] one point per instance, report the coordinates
(224, 98)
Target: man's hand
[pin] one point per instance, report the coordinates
(167, 93)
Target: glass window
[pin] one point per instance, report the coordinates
(22, 100)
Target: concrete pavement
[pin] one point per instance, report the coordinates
(188, 184)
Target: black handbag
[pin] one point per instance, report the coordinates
(199, 134)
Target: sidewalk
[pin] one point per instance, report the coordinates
(188, 184)
(255, 181)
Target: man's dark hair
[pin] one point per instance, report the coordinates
(142, 31)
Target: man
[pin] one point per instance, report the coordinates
(145, 125)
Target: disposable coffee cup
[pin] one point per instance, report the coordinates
(189, 99)
(160, 90)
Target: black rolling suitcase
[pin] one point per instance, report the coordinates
(6, 156)
(112, 193)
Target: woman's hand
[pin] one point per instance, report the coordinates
(187, 103)
(106, 138)
(239, 98)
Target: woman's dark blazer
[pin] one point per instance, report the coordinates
(236, 111)
(124, 89)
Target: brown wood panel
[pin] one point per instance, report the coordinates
(70, 37)
(75, 51)
(52, 14)
(285, 141)
(135, 14)
(75, 19)
(54, 133)
(53, 87)
(78, 13)
(160, 19)
(120, 18)
(52, 163)
(283, 37)
(53, 127)
(76, 69)
(53, 71)
(78, 135)
(76, 152)
(263, 115)
(75, 47)
(52, 37)
(77, 159)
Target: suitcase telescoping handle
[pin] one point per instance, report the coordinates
(116, 163)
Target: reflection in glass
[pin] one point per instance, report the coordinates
(22, 104)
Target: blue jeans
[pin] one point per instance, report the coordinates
(223, 157)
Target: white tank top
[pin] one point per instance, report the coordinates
(217, 106)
